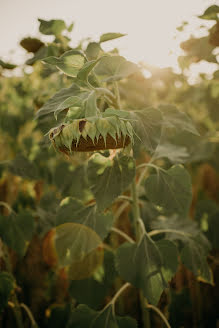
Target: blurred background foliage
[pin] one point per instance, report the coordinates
(34, 179)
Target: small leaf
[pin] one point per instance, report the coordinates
(7, 65)
(170, 189)
(52, 27)
(110, 36)
(93, 50)
(114, 68)
(31, 44)
(109, 178)
(86, 70)
(16, 231)
(211, 13)
(140, 264)
(173, 118)
(69, 63)
(73, 101)
(6, 287)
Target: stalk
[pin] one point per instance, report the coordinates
(16, 308)
(138, 232)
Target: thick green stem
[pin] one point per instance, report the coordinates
(138, 233)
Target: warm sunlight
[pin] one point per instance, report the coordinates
(150, 25)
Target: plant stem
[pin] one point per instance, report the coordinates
(123, 234)
(157, 232)
(30, 315)
(16, 308)
(116, 89)
(138, 233)
(119, 292)
(150, 306)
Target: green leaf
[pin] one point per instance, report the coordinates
(170, 189)
(73, 101)
(109, 178)
(194, 246)
(115, 112)
(73, 210)
(91, 108)
(52, 27)
(86, 70)
(114, 68)
(93, 50)
(169, 254)
(24, 168)
(59, 316)
(174, 153)
(211, 13)
(70, 28)
(6, 287)
(73, 242)
(140, 264)
(69, 63)
(194, 257)
(17, 230)
(58, 100)
(88, 291)
(84, 317)
(173, 118)
(110, 36)
(7, 65)
(147, 125)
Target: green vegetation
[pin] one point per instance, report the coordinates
(109, 197)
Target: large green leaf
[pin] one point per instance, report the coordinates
(17, 230)
(140, 264)
(173, 118)
(24, 168)
(174, 153)
(73, 210)
(170, 189)
(194, 246)
(169, 254)
(84, 317)
(91, 108)
(194, 257)
(6, 287)
(69, 63)
(147, 126)
(110, 36)
(58, 101)
(108, 178)
(52, 27)
(211, 13)
(73, 242)
(114, 68)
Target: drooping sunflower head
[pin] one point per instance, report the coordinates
(93, 133)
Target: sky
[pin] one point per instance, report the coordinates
(150, 25)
